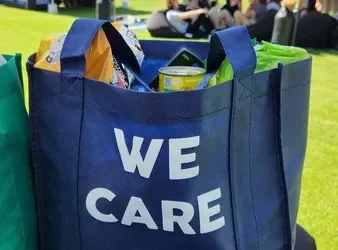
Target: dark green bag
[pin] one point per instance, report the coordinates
(18, 227)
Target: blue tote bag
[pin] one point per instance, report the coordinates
(216, 168)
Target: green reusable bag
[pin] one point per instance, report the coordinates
(18, 226)
(268, 57)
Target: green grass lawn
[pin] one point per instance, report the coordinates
(21, 31)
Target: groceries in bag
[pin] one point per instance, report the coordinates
(186, 58)
(183, 72)
(101, 65)
(268, 57)
(133, 43)
(183, 57)
(119, 74)
(177, 78)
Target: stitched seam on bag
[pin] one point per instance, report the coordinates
(77, 93)
(35, 160)
(245, 88)
(35, 149)
(80, 76)
(71, 86)
(240, 97)
(233, 199)
(277, 132)
(286, 193)
(80, 120)
(279, 151)
(250, 171)
(286, 89)
(292, 87)
(250, 90)
(77, 172)
(90, 104)
(67, 79)
(280, 177)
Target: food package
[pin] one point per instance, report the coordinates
(133, 43)
(99, 63)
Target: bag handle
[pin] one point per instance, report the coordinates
(80, 37)
(235, 44)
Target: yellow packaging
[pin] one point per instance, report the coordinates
(178, 78)
(99, 60)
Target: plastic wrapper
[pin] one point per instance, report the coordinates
(268, 57)
(101, 64)
(133, 43)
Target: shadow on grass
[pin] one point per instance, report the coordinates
(89, 12)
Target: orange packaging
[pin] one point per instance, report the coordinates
(99, 59)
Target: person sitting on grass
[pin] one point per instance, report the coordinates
(263, 28)
(203, 21)
(315, 29)
(223, 17)
(256, 10)
(186, 22)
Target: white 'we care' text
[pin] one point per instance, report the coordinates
(136, 210)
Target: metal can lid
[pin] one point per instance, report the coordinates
(181, 71)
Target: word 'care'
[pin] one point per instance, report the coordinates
(136, 210)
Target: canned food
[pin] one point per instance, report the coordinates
(177, 78)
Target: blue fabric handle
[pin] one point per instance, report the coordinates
(236, 45)
(78, 40)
